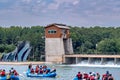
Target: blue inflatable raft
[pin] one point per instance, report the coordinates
(11, 77)
(75, 78)
(53, 74)
(50, 74)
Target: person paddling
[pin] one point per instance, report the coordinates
(37, 69)
(12, 71)
(85, 76)
(29, 66)
(79, 76)
(92, 77)
(32, 71)
(2, 73)
(97, 76)
(110, 77)
(16, 73)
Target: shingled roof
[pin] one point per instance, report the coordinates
(63, 26)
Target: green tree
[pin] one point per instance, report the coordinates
(108, 46)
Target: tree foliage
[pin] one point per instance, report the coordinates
(96, 40)
(92, 40)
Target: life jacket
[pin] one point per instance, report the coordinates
(32, 70)
(110, 78)
(85, 76)
(2, 73)
(15, 73)
(37, 70)
(41, 71)
(92, 78)
(104, 77)
(79, 76)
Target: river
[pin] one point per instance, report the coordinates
(67, 72)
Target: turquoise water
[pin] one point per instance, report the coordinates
(67, 72)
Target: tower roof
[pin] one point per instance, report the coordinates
(63, 26)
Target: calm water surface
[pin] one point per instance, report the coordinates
(66, 72)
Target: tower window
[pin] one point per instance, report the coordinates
(51, 31)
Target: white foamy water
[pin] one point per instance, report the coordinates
(95, 65)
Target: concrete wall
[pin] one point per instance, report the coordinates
(68, 46)
(54, 49)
